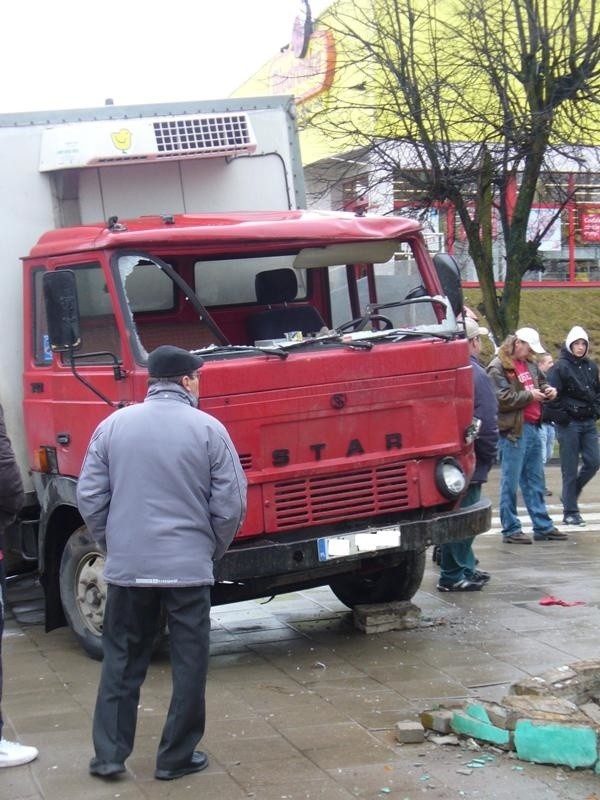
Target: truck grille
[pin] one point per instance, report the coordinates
(326, 498)
(246, 460)
(207, 133)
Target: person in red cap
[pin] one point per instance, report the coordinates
(521, 390)
(163, 489)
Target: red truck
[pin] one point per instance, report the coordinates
(332, 354)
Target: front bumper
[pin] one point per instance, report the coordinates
(296, 555)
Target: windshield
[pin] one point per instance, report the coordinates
(241, 302)
(161, 307)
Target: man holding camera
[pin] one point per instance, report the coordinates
(521, 390)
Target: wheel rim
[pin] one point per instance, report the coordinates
(90, 594)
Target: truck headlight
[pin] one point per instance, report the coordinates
(450, 478)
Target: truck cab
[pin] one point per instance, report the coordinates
(333, 356)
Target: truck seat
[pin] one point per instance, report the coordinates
(279, 287)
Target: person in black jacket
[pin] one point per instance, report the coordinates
(12, 754)
(458, 566)
(575, 411)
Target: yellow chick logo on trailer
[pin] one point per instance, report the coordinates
(122, 139)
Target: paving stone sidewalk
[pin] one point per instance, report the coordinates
(302, 705)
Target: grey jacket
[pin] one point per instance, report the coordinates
(163, 486)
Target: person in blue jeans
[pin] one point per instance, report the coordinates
(575, 377)
(458, 564)
(547, 432)
(521, 390)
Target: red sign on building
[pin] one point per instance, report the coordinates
(589, 224)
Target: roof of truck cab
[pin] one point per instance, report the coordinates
(206, 232)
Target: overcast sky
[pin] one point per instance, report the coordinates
(75, 53)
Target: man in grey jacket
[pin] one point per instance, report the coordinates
(163, 488)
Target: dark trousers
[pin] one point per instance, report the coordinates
(457, 558)
(579, 437)
(2, 601)
(130, 627)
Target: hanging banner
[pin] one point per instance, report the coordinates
(541, 220)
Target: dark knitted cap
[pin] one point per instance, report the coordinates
(168, 361)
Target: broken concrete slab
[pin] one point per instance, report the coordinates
(438, 720)
(449, 739)
(541, 708)
(556, 716)
(477, 711)
(591, 711)
(550, 743)
(409, 732)
(577, 682)
(383, 617)
(467, 725)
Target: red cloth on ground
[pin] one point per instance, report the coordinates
(552, 601)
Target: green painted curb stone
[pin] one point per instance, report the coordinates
(470, 726)
(556, 744)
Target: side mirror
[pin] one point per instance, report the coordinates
(62, 310)
(449, 275)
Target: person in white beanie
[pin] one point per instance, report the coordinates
(575, 377)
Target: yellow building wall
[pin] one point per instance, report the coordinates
(336, 78)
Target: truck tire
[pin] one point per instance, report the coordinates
(83, 590)
(400, 582)
(83, 593)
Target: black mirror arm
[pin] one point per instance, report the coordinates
(118, 373)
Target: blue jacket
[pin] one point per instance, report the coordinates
(486, 409)
(162, 485)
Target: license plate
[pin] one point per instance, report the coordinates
(351, 544)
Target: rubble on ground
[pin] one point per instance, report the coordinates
(552, 718)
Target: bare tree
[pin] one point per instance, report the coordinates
(471, 103)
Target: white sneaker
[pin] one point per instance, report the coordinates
(13, 754)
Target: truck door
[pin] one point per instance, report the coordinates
(74, 407)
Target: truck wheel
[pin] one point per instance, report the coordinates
(394, 583)
(83, 590)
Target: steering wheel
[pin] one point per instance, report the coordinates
(360, 323)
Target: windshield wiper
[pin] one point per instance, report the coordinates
(284, 349)
(399, 333)
(327, 338)
(215, 349)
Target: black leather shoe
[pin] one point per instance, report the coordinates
(106, 769)
(197, 763)
(481, 575)
(461, 586)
